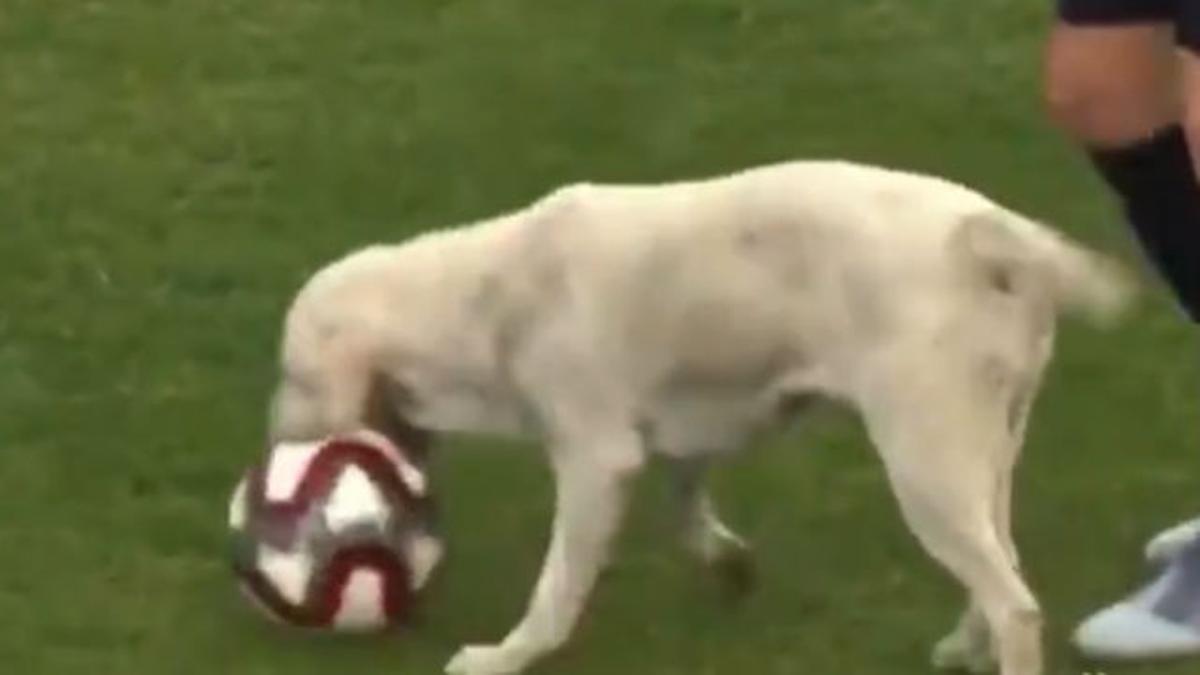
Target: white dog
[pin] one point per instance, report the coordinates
(612, 321)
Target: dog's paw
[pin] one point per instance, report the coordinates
(734, 568)
(482, 660)
(956, 652)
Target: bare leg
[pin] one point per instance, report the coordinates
(1110, 85)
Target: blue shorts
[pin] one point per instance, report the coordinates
(1183, 14)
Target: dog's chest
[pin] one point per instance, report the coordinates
(449, 404)
(456, 387)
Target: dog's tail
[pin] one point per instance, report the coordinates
(1014, 249)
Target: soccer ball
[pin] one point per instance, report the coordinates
(334, 533)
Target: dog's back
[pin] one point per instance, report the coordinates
(798, 271)
(779, 280)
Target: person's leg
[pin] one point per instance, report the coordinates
(1170, 543)
(1113, 83)
(1188, 284)
(1114, 88)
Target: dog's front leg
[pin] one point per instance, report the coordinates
(592, 472)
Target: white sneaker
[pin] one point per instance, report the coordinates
(1168, 543)
(1160, 621)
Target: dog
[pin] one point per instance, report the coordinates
(612, 322)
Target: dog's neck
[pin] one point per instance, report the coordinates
(458, 285)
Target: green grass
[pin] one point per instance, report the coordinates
(170, 170)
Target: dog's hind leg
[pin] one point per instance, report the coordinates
(705, 535)
(945, 442)
(968, 646)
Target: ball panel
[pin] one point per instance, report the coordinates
(262, 592)
(413, 479)
(354, 501)
(397, 597)
(288, 464)
(361, 602)
(239, 511)
(288, 571)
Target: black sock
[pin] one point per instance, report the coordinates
(1161, 197)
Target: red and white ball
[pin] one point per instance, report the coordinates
(334, 533)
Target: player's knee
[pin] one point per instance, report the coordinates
(1067, 103)
(1100, 112)
(1080, 109)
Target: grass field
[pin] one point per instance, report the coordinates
(170, 170)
